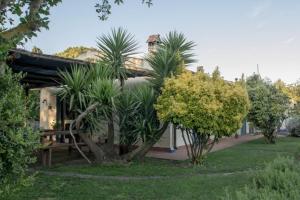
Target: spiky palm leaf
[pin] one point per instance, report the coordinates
(74, 86)
(116, 48)
(100, 70)
(164, 63)
(128, 109)
(177, 43)
(105, 92)
(146, 122)
(171, 57)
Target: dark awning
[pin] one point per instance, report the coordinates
(42, 70)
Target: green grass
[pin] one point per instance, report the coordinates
(180, 181)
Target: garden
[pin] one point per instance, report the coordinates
(204, 107)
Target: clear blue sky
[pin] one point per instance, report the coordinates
(235, 35)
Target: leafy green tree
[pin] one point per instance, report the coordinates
(17, 139)
(204, 107)
(268, 106)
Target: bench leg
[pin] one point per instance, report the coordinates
(50, 158)
(44, 158)
(47, 157)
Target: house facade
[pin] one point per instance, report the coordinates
(43, 75)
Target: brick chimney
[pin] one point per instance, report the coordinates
(153, 41)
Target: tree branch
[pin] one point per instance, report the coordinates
(4, 4)
(25, 28)
(144, 148)
(77, 122)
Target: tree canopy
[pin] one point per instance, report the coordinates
(203, 106)
(269, 106)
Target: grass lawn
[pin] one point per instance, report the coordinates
(231, 168)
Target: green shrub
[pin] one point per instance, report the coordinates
(279, 180)
(293, 126)
(17, 140)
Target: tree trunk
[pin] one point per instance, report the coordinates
(270, 137)
(142, 150)
(110, 135)
(95, 149)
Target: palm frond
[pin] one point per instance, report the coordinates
(177, 43)
(74, 84)
(116, 48)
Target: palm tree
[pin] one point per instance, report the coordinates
(116, 49)
(172, 56)
(91, 93)
(177, 43)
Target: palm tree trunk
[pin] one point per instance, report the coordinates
(110, 134)
(142, 150)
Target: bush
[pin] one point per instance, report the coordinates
(269, 106)
(279, 180)
(293, 126)
(205, 107)
(17, 140)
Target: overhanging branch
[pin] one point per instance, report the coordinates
(25, 27)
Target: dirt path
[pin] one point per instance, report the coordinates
(128, 178)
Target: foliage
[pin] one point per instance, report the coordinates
(172, 56)
(202, 106)
(74, 52)
(116, 48)
(279, 180)
(293, 125)
(134, 110)
(137, 116)
(17, 140)
(36, 50)
(104, 7)
(268, 106)
(127, 112)
(33, 105)
(22, 20)
(79, 86)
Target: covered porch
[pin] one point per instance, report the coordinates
(41, 72)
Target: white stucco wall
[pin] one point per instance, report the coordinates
(47, 108)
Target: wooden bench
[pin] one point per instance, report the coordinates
(46, 150)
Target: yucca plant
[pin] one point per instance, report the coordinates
(128, 110)
(177, 43)
(116, 48)
(164, 63)
(91, 92)
(172, 56)
(146, 122)
(74, 87)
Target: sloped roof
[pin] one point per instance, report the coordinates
(41, 70)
